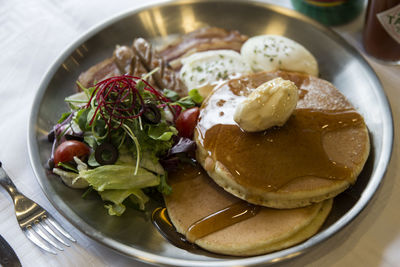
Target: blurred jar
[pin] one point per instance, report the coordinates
(330, 12)
(381, 35)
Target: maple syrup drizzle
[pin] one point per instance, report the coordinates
(279, 155)
(221, 219)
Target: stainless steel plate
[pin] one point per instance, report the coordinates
(133, 234)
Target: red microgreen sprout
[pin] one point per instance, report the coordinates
(121, 97)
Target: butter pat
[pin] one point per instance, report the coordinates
(270, 104)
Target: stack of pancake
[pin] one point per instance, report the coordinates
(291, 173)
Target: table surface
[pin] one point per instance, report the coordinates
(34, 33)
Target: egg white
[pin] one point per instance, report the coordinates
(211, 67)
(274, 52)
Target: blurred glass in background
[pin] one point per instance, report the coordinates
(330, 12)
(381, 35)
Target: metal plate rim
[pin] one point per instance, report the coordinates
(89, 231)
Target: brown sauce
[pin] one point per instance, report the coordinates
(162, 222)
(273, 158)
(221, 219)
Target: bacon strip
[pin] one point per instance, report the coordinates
(129, 63)
(141, 58)
(210, 38)
(103, 70)
(165, 77)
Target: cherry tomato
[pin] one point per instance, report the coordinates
(186, 122)
(67, 150)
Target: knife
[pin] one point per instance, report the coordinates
(8, 258)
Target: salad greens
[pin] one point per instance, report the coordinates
(120, 111)
(117, 197)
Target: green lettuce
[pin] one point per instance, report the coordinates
(146, 161)
(118, 196)
(195, 96)
(161, 132)
(164, 187)
(156, 144)
(118, 177)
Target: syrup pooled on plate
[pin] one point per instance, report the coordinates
(221, 219)
(162, 222)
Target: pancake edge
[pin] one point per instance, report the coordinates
(302, 234)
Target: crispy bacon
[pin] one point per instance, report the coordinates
(165, 77)
(210, 38)
(103, 70)
(141, 58)
(129, 63)
(137, 61)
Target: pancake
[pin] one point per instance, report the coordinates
(196, 196)
(316, 155)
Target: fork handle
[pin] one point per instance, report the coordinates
(6, 182)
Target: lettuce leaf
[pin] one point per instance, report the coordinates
(164, 187)
(118, 177)
(64, 116)
(195, 96)
(171, 94)
(156, 145)
(118, 196)
(161, 132)
(147, 161)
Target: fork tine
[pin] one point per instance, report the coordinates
(47, 227)
(32, 237)
(59, 228)
(42, 234)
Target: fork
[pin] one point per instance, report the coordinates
(35, 222)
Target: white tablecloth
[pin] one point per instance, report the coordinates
(34, 33)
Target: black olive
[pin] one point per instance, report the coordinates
(73, 137)
(151, 114)
(51, 136)
(106, 154)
